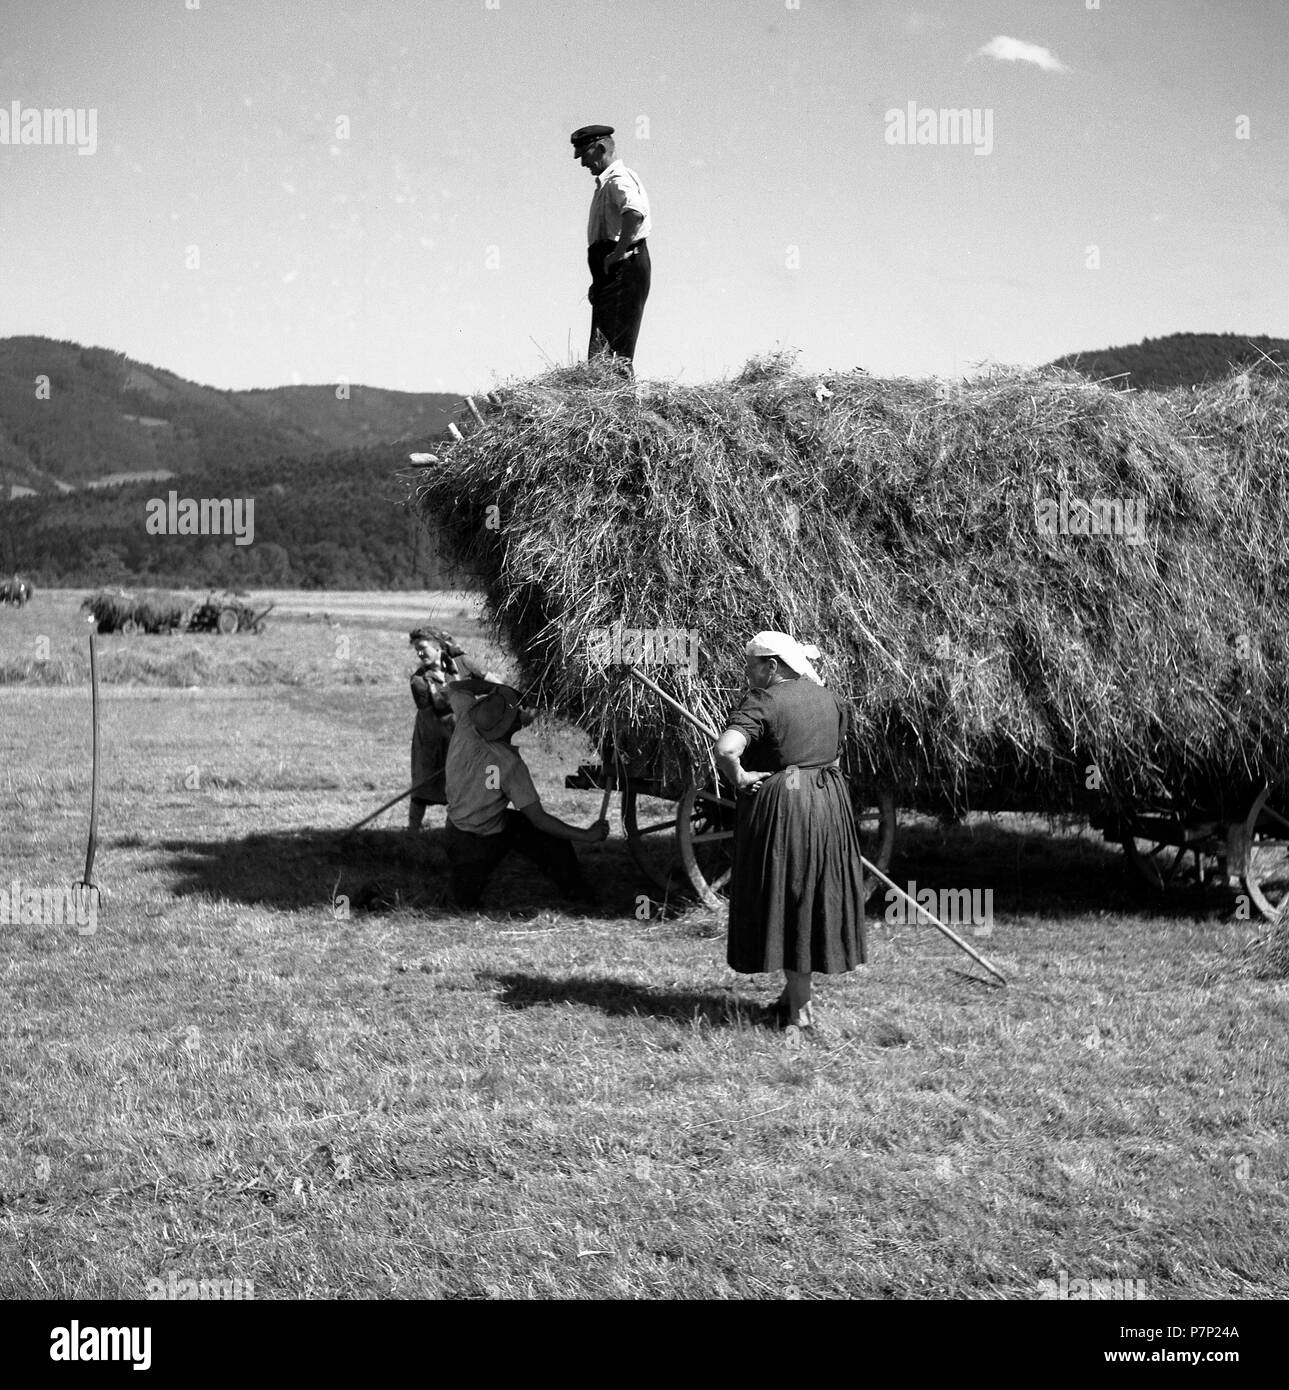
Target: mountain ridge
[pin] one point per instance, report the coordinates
(1179, 359)
(71, 415)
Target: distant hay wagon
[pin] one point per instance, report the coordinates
(1037, 593)
(157, 611)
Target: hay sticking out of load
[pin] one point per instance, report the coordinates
(928, 539)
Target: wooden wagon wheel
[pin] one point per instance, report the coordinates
(1168, 850)
(692, 844)
(129, 627)
(1264, 869)
(705, 835)
(227, 622)
(649, 819)
(681, 842)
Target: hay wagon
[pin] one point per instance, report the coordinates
(154, 611)
(680, 830)
(1017, 580)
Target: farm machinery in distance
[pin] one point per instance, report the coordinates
(151, 611)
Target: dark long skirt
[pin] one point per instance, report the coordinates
(430, 758)
(797, 890)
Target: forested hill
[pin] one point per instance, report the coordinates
(71, 415)
(334, 521)
(1181, 359)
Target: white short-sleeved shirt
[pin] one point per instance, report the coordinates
(482, 776)
(617, 190)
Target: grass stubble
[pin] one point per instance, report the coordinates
(230, 1080)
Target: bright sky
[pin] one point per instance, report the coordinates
(384, 192)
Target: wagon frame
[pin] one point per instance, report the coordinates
(1211, 848)
(1208, 850)
(699, 857)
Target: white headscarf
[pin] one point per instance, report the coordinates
(793, 654)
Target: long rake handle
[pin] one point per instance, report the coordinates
(402, 796)
(872, 868)
(936, 922)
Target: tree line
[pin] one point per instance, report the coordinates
(1180, 359)
(333, 522)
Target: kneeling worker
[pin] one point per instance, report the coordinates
(484, 773)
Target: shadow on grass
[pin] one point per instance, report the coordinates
(378, 870)
(308, 867)
(623, 999)
(1037, 869)
(1030, 870)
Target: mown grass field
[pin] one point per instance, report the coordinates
(234, 1079)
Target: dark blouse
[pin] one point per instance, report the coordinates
(793, 724)
(429, 689)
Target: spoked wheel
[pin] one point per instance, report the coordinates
(705, 818)
(1265, 870)
(130, 627)
(649, 819)
(227, 622)
(705, 833)
(689, 842)
(1167, 851)
(681, 844)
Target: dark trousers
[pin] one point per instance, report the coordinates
(474, 857)
(617, 299)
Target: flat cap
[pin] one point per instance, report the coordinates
(589, 132)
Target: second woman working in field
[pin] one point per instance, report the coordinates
(433, 726)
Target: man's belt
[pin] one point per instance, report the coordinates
(608, 241)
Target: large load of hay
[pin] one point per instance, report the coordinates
(1033, 589)
(147, 610)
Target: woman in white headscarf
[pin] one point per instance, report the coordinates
(796, 891)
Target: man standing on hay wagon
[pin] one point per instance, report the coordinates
(796, 888)
(617, 251)
(484, 775)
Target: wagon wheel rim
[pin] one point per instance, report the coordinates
(705, 835)
(227, 621)
(650, 824)
(129, 627)
(1264, 870)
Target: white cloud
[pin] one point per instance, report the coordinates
(1018, 51)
